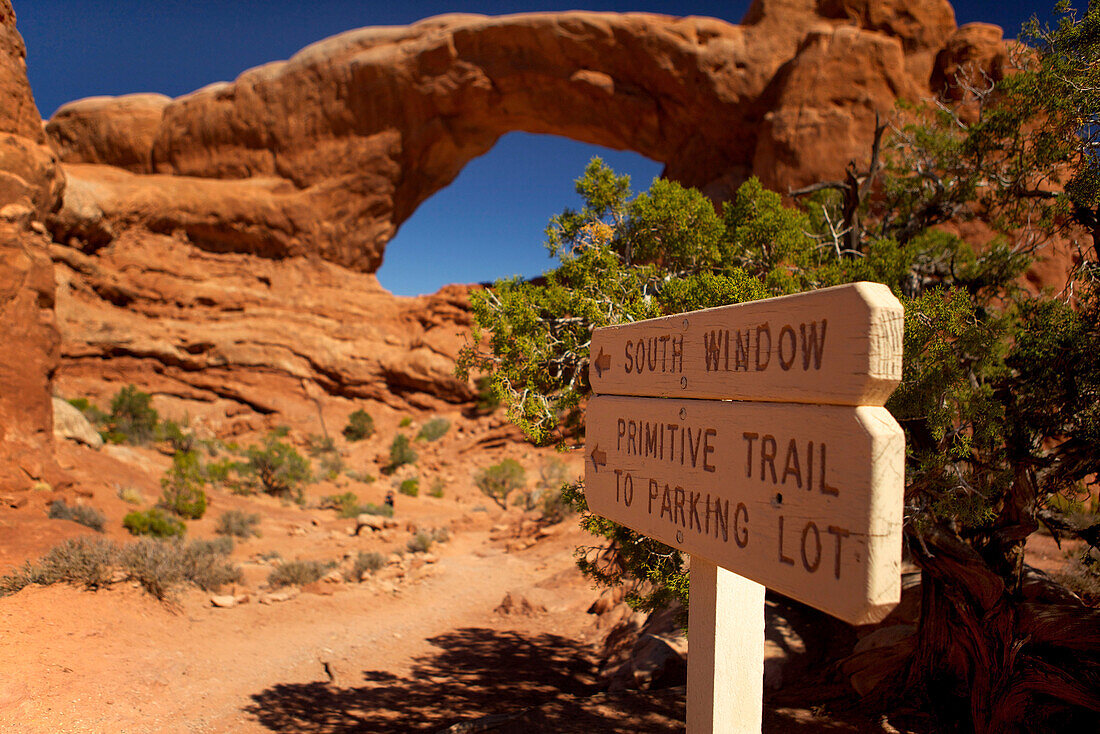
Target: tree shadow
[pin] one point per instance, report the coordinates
(475, 672)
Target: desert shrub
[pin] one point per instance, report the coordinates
(156, 565)
(298, 573)
(153, 522)
(218, 472)
(86, 516)
(238, 524)
(487, 398)
(278, 467)
(323, 449)
(129, 494)
(500, 480)
(436, 488)
(365, 563)
(553, 477)
(178, 435)
(405, 422)
(86, 561)
(160, 565)
(401, 453)
(410, 487)
(346, 504)
(372, 509)
(419, 543)
(434, 429)
(182, 488)
(423, 540)
(132, 418)
(360, 426)
(363, 477)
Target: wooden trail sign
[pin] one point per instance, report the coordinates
(838, 345)
(805, 499)
(801, 492)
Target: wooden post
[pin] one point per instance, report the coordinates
(725, 690)
(753, 438)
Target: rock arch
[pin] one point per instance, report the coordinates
(328, 153)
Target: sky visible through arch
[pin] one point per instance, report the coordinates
(487, 224)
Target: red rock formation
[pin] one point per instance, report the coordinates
(349, 136)
(123, 128)
(218, 249)
(30, 185)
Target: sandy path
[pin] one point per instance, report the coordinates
(119, 661)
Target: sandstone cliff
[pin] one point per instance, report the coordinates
(30, 189)
(219, 249)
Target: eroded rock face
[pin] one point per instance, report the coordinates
(344, 140)
(218, 249)
(30, 186)
(116, 130)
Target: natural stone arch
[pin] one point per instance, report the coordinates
(329, 152)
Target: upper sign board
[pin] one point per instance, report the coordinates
(805, 499)
(838, 346)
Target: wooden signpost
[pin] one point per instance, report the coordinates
(789, 474)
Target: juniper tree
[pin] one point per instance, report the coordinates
(1000, 396)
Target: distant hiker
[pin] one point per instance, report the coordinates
(389, 498)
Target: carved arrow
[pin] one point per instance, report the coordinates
(603, 362)
(599, 458)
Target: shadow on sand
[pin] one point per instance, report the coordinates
(476, 672)
(526, 684)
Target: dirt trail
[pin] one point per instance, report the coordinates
(119, 661)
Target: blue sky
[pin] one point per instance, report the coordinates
(488, 224)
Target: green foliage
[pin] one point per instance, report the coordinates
(436, 490)
(500, 480)
(401, 453)
(298, 573)
(132, 418)
(238, 524)
(86, 516)
(360, 426)
(278, 467)
(365, 563)
(178, 436)
(487, 400)
(1000, 388)
(95, 415)
(372, 509)
(434, 429)
(410, 487)
(153, 522)
(346, 504)
(183, 491)
(405, 422)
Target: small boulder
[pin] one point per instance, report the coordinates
(517, 604)
(372, 522)
(223, 602)
(70, 423)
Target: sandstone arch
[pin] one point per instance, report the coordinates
(329, 152)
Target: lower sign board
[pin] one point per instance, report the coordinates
(804, 499)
